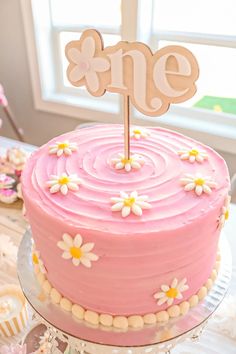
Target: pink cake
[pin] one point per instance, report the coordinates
(125, 259)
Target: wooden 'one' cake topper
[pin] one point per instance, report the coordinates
(150, 80)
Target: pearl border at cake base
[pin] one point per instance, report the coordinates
(164, 339)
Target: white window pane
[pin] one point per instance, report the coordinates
(203, 16)
(93, 13)
(216, 86)
(66, 37)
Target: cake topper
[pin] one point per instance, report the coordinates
(151, 81)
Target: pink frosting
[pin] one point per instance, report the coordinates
(177, 237)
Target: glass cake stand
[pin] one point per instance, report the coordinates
(84, 338)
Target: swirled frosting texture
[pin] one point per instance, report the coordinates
(177, 237)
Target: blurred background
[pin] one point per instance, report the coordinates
(32, 64)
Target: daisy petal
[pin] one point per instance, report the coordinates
(159, 295)
(64, 189)
(170, 301)
(189, 186)
(165, 288)
(91, 256)
(86, 262)
(72, 186)
(117, 206)
(199, 190)
(55, 188)
(63, 246)
(66, 255)
(174, 283)
(162, 301)
(67, 239)
(125, 211)
(136, 209)
(76, 261)
(87, 247)
(78, 240)
(206, 189)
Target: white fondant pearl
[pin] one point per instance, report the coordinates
(173, 311)
(202, 293)
(91, 317)
(162, 316)
(120, 322)
(209, 284)
(106, 320)
(78, 311)
(41, 278)
(214, 275)
(66, 304)
(55, 296)
(47, 287)
(217, 266)
(150, 318)
(184, 307)
(135, 321)
(193, 301)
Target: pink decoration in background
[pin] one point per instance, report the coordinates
(3, 99)
(13, 349)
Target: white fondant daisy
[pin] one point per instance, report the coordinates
(193, 155)
(37, 261)
(60, 148)
(63, 183)
(86, 64)
(138, 133)
(135, 161)
(225, 212)
(172, 292)
(130, 203)
(77, 251)
(198, 183)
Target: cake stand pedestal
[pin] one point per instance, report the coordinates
(82, 338)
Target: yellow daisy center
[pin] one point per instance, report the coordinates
(35, 258)
(129, 201)
(199, 181)
(76, 252)
(63, 180)
(63, 145)
(125, 161)
(227, 214)
(172, 293)
(137, 131)
(193, 152)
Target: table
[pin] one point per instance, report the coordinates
(212, 341)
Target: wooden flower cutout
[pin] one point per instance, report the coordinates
(86, 62)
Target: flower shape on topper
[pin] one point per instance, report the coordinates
(134, 162)
(63, 183)
(75, 249)
(62, 147)
(224, 212)
(86, 65)
(198, 183)
(150, 81)
(132, 203)
(170, 293)
(193, 155)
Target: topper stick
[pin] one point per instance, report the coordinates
(127, 126)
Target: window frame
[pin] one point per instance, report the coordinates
(197, 123)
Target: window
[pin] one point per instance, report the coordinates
(207, 28)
